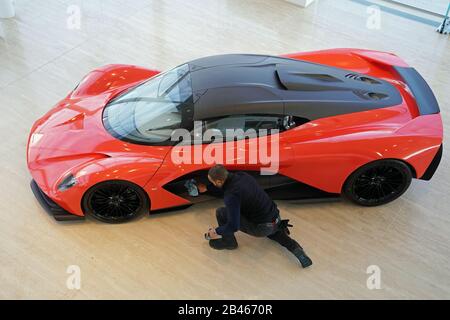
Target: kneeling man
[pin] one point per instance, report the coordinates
(249, 209)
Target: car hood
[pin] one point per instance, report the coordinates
(75, 127)
(72, 127)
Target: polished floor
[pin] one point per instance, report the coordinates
(43, 55)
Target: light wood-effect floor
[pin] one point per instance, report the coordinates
(164, 256)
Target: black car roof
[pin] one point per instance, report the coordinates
(259, 84)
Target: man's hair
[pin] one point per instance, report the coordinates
(218, 172)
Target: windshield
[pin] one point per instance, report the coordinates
(148, 113)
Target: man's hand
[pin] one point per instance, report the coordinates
(213, 234)
(201, 188)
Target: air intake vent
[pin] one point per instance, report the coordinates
(376, 96)
(370, 95)
(320, 77)
(361, 78)
(352, 76)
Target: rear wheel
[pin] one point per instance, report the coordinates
(115, 201)
(378, 182)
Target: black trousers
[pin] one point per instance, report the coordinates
(270, 230)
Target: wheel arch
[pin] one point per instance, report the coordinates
(378, 182)
(82, 200)
(409, 165)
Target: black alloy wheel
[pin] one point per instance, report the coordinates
(115, 201)
(378, 182)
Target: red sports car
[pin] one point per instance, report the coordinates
(347, 121)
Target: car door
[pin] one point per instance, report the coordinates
(241, 142)
(249, 142)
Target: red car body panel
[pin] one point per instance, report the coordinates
(71, 137)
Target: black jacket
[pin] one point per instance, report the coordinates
(243, 195)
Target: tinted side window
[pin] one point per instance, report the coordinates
(251, 125)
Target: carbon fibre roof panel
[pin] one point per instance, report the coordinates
(258, 84)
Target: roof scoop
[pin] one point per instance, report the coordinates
(320, 78)
(307, 81)
(362, 78)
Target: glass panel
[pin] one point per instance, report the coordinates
(151, 111)
(252, 125)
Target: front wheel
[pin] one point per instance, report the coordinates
(115, 201)
(378, 182)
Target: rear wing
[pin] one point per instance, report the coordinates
(425, 99)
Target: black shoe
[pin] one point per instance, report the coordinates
(305, 261)
(284, 226)
(220, 244)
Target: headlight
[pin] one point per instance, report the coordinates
(67, 183)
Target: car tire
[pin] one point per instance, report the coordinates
(378, 182)
(115, 201)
